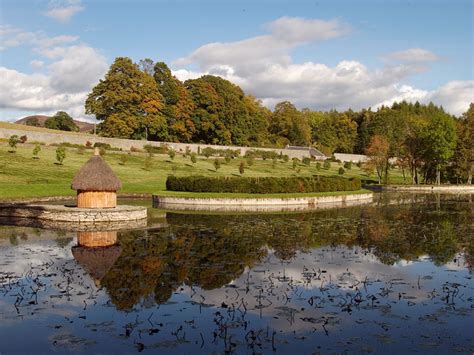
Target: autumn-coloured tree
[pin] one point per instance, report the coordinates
(378, 152)
(128, 102)
(463, 159)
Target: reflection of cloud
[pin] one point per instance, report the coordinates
(342, 271)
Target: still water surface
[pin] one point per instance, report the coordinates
(392, 277)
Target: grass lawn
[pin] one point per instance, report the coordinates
(23, 176)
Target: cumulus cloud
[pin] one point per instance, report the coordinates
(413, 55)
(263, 67)
(256, 53)
(68, 72)
(63, 10)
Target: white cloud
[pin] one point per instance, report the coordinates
(78, 69)
(63, 10)
(14, 37)
(413, 55)
(36, 64)
(68, 73)
(254, 54)
(263, 67)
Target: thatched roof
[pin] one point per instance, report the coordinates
(96, 175)
(96, 261)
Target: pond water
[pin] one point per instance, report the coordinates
(391, 277)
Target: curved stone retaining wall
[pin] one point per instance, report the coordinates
(260, 204)
(73, 214)
(456, 189)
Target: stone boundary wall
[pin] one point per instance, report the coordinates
(73, 214)
(354, 158)
(455, 189)
(260, 204)
(127, 144)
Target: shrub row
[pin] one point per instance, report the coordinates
(210, 152)
(263, 154)
(261, 185)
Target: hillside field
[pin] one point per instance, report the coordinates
(21, 176)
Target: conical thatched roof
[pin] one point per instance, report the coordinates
(96, 175)
(96, 261)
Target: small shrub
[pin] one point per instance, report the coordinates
(102, 145)
(172, 154)
(327, 165)
(102, 151)
(81, 150)
(187, 152)
(151, 149)
(228, 158)
(306, 161)
(217, 164)
(359, 164)
(348, 165)
(298, 170)
(123, 159)
(60, 154)
(193, 158)
(13, 142)
(341, 171)
(88, 144)
(286, 158)
(135, 150)
(148, 163)
(207, 152)
(23, 139)
(36, 151)
(295, 163)
(318, 166)
(242, 168)
(250, 160)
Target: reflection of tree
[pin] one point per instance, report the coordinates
(209, 251)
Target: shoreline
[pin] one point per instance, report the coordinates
(449, 189)
(261, 203)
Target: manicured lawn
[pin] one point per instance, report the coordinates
(23, 176)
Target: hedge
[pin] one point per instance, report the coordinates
(261, 185)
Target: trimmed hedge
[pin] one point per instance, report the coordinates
(261, 185)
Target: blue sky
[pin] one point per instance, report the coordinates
(317, 54)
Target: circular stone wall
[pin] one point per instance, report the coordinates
(73, 214)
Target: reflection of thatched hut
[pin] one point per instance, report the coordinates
(96, 261)
(94, 239)
(96, 184)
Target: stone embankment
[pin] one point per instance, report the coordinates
(452, 189)
(260, 204)
(73, 215)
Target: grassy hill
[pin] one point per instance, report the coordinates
(23, 176)
(84, 127)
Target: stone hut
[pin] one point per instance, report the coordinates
(96, 184)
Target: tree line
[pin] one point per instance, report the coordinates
(145, 101)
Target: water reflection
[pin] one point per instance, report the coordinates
(383, 278)
(96, 252)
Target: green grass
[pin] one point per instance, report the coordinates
(21, 176)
